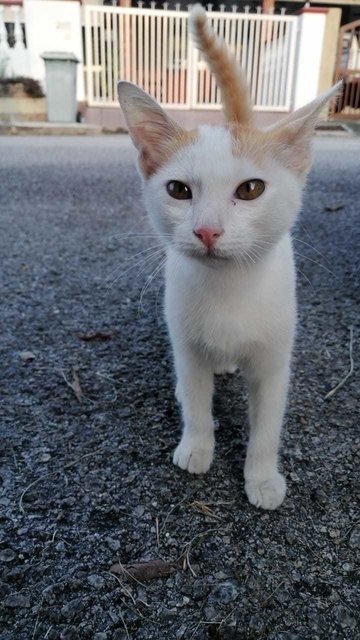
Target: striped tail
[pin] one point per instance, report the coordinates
(229, 76)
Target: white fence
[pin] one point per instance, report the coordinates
(153, 49)
(13, 54)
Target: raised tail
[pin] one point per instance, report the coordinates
(229, 76)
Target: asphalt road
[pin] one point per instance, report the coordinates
(86, 477)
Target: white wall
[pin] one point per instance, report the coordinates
(53, 25)
(311, 26)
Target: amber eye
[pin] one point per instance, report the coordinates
(178, 190)
(250, 190)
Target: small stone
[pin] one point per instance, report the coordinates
(354, 540)
(96, 581)
(334, 533)
(200, 589)
(347, 567)
(290, 537)
(17, 601)
(139, 511)
(225, 592)
(4, 502)
(27, 356)
(114, 545)
(345, 618)
(60, 546)
(49, 595)
(101, 636)
(7, 555)
(4, 590)
(45, 457)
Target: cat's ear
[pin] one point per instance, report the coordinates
(293, 133)
(151, 130)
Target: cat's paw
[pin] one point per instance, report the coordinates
(193, 456)
(267, 494)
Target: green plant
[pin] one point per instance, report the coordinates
(31, 87)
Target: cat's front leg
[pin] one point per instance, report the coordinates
(195, 389)
(268, 378)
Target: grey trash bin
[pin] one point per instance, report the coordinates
(60, 68)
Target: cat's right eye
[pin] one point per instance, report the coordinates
(178, 190)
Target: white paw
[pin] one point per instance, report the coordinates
(193, 456)
(228, 368)
(267, 494)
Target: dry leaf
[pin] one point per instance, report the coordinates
(144, 571)
(96, 335)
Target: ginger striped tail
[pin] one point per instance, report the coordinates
(229, 76)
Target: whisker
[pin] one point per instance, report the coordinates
(141, 262)
(149, 281)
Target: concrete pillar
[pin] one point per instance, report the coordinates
(329, 51)
(311, 30)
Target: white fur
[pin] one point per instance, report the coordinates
(239, 307)
(236, 311)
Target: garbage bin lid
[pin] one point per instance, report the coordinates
(59, 55)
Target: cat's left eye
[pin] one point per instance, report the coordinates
(250, 189)
(178, 190)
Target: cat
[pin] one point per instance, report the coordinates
(224, 199)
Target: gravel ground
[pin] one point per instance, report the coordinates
(89, 482)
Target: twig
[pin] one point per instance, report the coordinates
(51, 473)
(341, 384)
(157, 531)
(186, 555)
(262, 604)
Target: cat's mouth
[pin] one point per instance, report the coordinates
(211, 255)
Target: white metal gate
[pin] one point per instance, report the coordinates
(153, 49)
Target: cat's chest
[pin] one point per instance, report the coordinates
(224, 323)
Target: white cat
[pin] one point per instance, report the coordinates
(224, 199)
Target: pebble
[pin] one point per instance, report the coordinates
(114, 545)
(225, 592)
(96, 581)
(100, 636)
(17, 600)
(354, 540)
(7, 555)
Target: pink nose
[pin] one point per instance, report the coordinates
(208, 235)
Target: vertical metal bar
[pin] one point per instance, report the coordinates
(261, 64)
(140, 51)
(115, 31)
(127, 47)
(103, 57)
(184, 61)
(109, 65)
(97, 67)
(134, 48)
(177, 60)
(164, 92)
(255, 69)
(158, 56)
(171, 59)
(146, 53)
(291, 65)
(152, 55)
(279, 62)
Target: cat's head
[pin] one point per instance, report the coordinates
(221, 192)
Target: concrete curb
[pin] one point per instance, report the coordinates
(54, 129)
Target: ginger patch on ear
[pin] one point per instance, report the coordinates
(154, 154)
